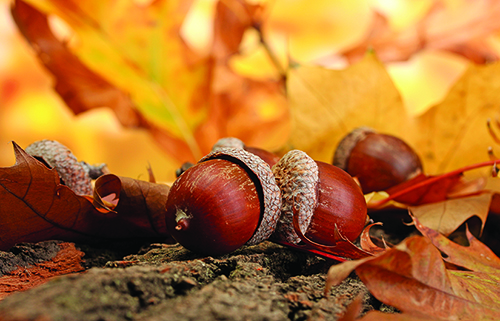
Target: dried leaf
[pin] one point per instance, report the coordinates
(413, 278)
(34, 206)
(135, 196)
(446, 216)
(366, 242)
(430, 192)
(475, 257)
(424, 189)
(454, 134)
(327, 104)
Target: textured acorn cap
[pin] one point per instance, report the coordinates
(73, 173)
(264, 175)
(297, 176)
(228, 142)
(346, 145)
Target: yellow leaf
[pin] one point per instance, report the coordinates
(138, 50)
(454, 134)
(327, 104)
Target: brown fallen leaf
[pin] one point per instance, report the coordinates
(67, 260)
(475, 257)
(34, 206)
(442, 202)
(413, 278)
(135, 196)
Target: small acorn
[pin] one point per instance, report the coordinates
(74, 174)
(323, 196)
(232, 142)
(377, 161)
(228, 199)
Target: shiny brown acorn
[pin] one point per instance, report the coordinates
(323, 196)
(228, 199)
(232, 142)
(378, 161)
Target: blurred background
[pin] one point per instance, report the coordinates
(319, 32)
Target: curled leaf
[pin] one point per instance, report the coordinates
(135, 196)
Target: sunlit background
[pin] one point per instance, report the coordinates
(30, 110)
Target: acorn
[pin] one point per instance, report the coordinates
(228, 199)
(324, 197)
(233, 142)
(377, 161)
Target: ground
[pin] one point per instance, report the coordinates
(156, 281)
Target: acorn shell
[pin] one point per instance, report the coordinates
(228, 199)
(378, 161)
(322, 195)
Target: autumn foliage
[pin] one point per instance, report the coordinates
(133, 59)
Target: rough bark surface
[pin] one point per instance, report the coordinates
(167, 282)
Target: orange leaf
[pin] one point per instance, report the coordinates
(81, 88)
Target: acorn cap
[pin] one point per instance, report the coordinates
(228, 142)
(74, 174)
(232, 142)
(346, 145)
(297, 176)
(271, 196)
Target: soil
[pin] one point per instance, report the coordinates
(155, 281)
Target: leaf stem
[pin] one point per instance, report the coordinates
(270, 52)
(432, 180)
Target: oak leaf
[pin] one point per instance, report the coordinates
(475, 257)
(34, 206)
(413, 278)
(454, 133)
